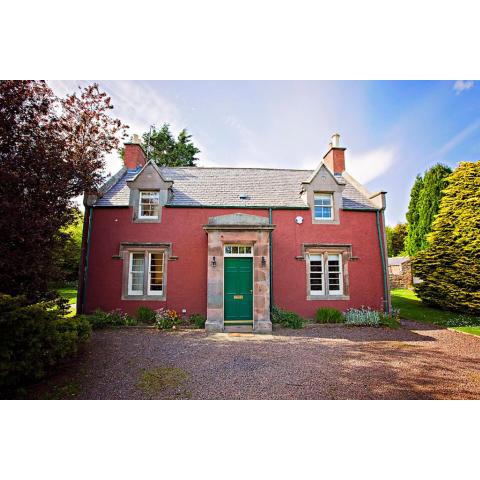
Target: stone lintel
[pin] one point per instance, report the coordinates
(210, 228)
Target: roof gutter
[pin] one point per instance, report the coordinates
(256, 207)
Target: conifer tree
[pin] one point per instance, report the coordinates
(450, 265)
(429, 200)
(412, 242)
(423, 207)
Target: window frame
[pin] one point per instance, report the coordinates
(238, 245)
(149, 271)
(131, 273)
(331, 206)
(148, 217)
(340, 273)
(316, 293)
(344, 254)
(127, 251)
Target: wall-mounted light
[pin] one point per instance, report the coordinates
(214, 262)
(264, 262)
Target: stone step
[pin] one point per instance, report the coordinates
(238, 329)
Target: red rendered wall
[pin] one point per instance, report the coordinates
(187, 276)
(289, 275)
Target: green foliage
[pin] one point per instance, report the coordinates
(396, 239)
(166, 150)
(197, 320)
(434, 182)
(146, 315)
(391, 320)
(450, 266)
(362, 317)
(34, 338)
(166, 319)
(412, 241)
(329, 315)
(411, 307)
(68, 250)
(287, 319)
(116, 318)
(424, 204)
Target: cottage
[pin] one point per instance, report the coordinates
(231, 242)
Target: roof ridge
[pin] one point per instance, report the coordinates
(242, 168)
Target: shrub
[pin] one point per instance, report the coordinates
(33, 338)
(329, 315)
(391, 320)
(287, 319)
(146, 315)
(276, 314)
(362, 316)
(115, 318)
(166, 319)
(197, 320)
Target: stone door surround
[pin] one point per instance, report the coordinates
(238, 228)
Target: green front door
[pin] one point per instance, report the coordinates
(238, 291)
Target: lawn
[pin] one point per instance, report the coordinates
(412, 308)
(70, 294)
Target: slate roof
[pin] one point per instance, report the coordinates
(210, 187)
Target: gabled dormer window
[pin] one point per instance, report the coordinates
(323, 206)
(149, 204)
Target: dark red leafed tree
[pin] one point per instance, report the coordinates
(51, 150)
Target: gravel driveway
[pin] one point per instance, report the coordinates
(318, 362)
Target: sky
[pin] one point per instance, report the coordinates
(392, 130)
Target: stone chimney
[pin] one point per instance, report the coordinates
(334, 159)
(134, 155)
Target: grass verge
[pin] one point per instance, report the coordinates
(70, 294)
(412, 308)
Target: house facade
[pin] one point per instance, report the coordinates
(229, 243)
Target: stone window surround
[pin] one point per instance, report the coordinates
(345, 250)
(150, 179)
(135, 203)
(126, 249)
(323, 181)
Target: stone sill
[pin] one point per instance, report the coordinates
(328, 297)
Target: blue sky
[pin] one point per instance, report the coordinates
(392, 129)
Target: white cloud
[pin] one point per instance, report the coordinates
(460, 85)
(456, 140)
(367, 166)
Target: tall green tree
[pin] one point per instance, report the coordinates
(423, 207)
(167, 151)
(68, 250)
(396, 239)
(412, 241)
(434, 182)
(450, 265)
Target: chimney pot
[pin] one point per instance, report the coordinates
(335, 140)
(136, 139)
